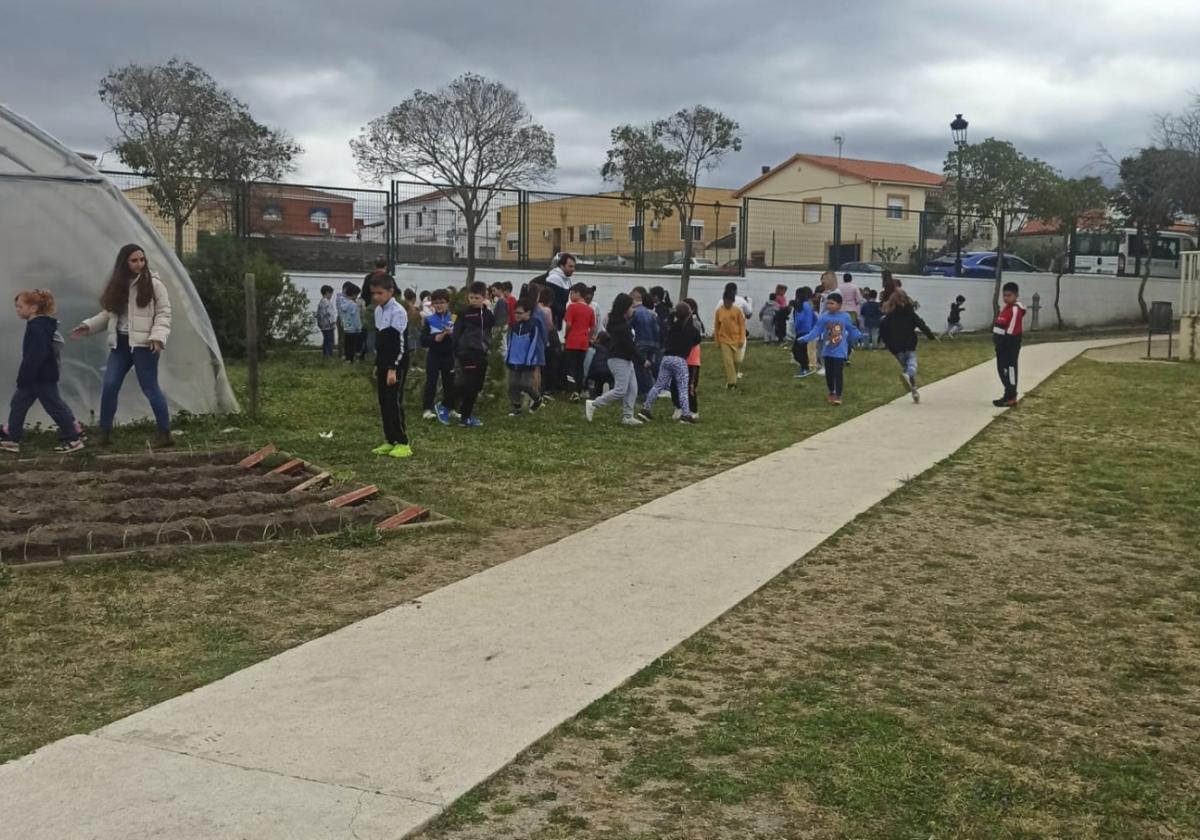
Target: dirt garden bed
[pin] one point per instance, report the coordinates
(77, 509)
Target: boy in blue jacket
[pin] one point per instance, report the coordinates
(526, 353)
(436, 337)
(803, 320)
(37, 377)
(836, 332)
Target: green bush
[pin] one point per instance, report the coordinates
(217, 270)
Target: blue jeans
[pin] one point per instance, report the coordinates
(145, 365)
(908, 361)
(47, 395)
(328, 341)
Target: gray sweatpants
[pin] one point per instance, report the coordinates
(624, 387)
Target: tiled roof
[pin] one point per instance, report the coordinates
(866, 170)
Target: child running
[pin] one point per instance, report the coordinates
(623, 359)
(37, 377)
(898, 332)
(472, 341)
(1006, 334)
(954, 320)
(729, 332)
(391, 366)
(835, 331)
(693, 363)
(437, 332)
(525, 354)
(803, 320)
(682, 338)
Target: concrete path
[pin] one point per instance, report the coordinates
(371, 731)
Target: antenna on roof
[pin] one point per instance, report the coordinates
(840, 139)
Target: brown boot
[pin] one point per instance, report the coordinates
(162, 440)
(104, 437)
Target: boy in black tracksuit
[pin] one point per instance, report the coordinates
(1006, 334)
(391, 366)
(472, 341)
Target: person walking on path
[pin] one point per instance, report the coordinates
(835, 331)
(682, 338)
(391, 368)
(898, 332)
(38, 374)
(623, 359)
(1006, 334)
(954, 320)
(729, 332)
(136, 313)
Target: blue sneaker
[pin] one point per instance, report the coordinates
(443, 414)
(472, 422)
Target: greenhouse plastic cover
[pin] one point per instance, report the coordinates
(61, 225)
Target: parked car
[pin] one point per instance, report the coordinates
(733, 266)
(860, 268)
(614, 261)
(976, 264)
(698, 264)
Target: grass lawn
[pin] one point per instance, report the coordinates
(82, 646)
(1009, 647)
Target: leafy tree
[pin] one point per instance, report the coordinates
(1062, 202)
(998, 182)
(1148, 197)
(218, 269)
(1181, 133)
(469, 140)
(659, 166)
(176, 124)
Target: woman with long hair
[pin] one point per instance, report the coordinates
(623, 360)
(136, 313)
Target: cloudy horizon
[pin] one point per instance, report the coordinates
(888, 78)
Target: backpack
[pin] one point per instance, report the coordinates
(541, 278)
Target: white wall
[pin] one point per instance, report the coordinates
(1087, 300)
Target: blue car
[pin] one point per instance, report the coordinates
(976, 264)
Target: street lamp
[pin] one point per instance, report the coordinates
(717, 225)
(958, 130)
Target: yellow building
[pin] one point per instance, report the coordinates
(792, 215)
(601, 229)
(208, 217)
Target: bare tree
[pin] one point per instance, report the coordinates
(474, 136)
(1181, 133)
(659, 166)
(176, 124)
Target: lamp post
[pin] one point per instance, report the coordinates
(717, 224)
(958, 130)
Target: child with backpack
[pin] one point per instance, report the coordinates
(835, 331)
(898, 332)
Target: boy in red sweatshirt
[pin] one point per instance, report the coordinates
(1006, 334)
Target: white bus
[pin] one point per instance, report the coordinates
(1122, 252)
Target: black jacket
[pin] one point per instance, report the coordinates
(473, 333)
(620, 341)
(39, 363)
(681, 338)
(898, 330)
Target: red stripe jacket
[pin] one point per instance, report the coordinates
(1011, 320)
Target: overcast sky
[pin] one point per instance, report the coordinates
(1054, 76)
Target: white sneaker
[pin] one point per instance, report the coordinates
(631, 421)
(589, 410)
(676, 414)
(821, 371)
(429, 415)
(695, 415)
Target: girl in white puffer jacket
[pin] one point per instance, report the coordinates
(136, 312)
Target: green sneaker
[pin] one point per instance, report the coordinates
(383, 449)
(401, 450)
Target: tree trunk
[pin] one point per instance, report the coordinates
(1058, 296)
(999, 267)
(471, 218)
(1148, 246)
(686, 274)
(179, 223)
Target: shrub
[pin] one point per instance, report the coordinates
(217, 270)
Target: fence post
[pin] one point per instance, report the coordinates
(744, 236)
(639, 246)
(522, 243)
(1071, 249)
(251, 343)
(922, 236)
(390, 227)
(835, 253)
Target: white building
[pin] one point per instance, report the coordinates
(432, 219)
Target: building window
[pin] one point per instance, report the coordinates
(497, 218)
(697, 230)
(584, 232)
(812, 211)
(273, 213)
(512, 242)
(897, 206)
(319, 216)
(636, 232)
(406, 221)
(602, 232)
(420, 220)
(571, 233)
(433, 218)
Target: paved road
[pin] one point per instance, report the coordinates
(371, 731)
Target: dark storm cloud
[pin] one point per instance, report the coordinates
(888, 76)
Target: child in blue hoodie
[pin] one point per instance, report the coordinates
(436, 332)
(37, 377)
(526, 353)
(836, 332)
(803, 320)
